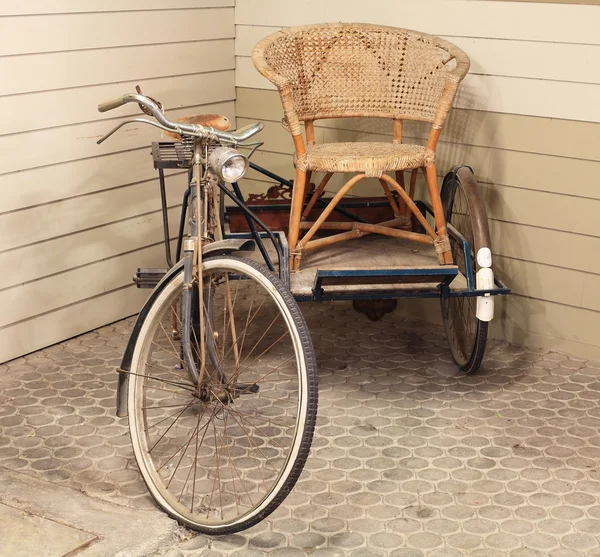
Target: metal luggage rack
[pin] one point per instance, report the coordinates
(169, 154)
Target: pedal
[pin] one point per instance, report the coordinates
(148, 278)
(246, 388)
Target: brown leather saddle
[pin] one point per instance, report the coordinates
(215, 121)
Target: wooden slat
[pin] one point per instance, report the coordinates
(591, 292)
(511, 58)
(59, 70)
(547, 136)
(544, 282)
(70, 321)
(556, 212)
(51, 33)
(246, 75)
(58, 145)
(60, 254)
(286, 14)
(554, 320)
(589, 2)
(550, 247)
(246, 37)
(43, 222)
(532, 60)
(73, 106)
(465, 18)
(25, 301)
(37, 7)
(38, 186)
(531, 97)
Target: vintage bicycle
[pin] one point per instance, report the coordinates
(219, 375)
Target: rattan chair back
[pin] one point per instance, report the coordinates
(359, 70)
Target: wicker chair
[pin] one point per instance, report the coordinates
(357, 70)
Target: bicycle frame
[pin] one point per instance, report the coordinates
(200, 200)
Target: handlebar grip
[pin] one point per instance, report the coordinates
(109, 105)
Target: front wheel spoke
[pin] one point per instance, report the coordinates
(217, 478)
(238, 363)
(234, 345)
(183, 386)
(190, 470)
(246, 419)
(272, 371)
(168, 337)
(169, 428)
(236, 472)
(175, 453)
(251, 440)
(178, 413)
(266, 420)
(198, 444)
(258, 342)
(187, 445)
(156, 407)
(170, 371)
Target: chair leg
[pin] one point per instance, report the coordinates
(442, 241)
(295, 216)
(404, 210)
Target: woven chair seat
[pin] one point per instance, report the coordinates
(372, 159)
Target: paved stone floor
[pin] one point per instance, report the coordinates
(409, 458)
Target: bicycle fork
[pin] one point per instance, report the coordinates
(192, 268)
(200, 197)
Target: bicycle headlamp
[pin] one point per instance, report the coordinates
(229, 164)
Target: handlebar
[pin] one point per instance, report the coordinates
(196, 130)
(109, 105)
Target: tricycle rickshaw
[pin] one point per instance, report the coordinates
(219, 375)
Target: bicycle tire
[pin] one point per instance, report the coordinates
(140, 409)
(464, 209)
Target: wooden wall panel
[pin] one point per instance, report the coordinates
(77, 219)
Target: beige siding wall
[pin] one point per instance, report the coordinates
(76, 218)
(527, 119)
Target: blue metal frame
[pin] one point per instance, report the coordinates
(448, 275)
(442, 290)
(284, 273)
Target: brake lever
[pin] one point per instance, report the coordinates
(252, 146)
(143, 108)
(138, 121)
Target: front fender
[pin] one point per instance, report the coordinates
(209, 250)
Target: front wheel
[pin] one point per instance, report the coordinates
(464, 210)
(221, 454)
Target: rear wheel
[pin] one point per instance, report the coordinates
(464, 210)
(222, 453)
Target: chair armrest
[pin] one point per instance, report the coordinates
(453, 80)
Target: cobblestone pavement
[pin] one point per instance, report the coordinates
(409, 458)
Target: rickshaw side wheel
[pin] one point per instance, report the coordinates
(464, 209)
